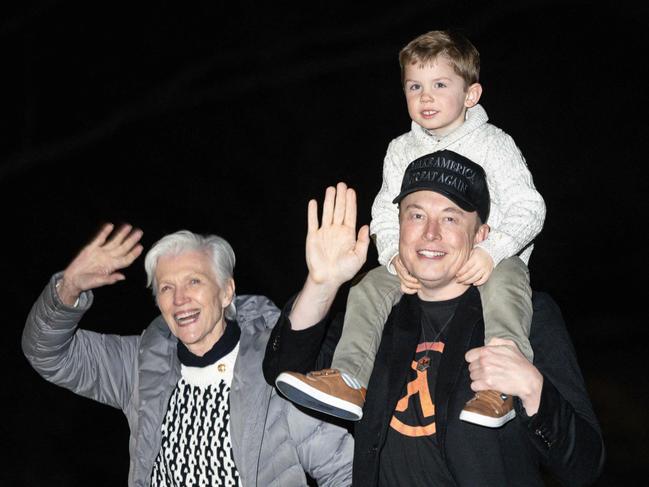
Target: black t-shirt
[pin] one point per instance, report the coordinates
(411, 455)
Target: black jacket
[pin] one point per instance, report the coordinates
(564, 435)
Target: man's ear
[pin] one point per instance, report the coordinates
(481, 233)
(228, 293)
(473, 94)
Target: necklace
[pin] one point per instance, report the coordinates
(424, 362)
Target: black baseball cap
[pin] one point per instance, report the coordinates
(452, 175)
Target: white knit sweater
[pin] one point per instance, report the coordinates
(517, 209)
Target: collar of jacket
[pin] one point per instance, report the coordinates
(223, 346)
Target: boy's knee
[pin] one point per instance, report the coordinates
(378, 290)
(373, 281)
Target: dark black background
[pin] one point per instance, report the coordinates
(227, 119)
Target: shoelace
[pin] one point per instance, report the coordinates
(492, 399)
(324, 372)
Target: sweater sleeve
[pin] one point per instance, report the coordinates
(384, 226)
(90, 364)
(512, 188)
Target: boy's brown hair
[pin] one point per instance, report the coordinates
(459, 51)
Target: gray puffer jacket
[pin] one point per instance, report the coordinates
(273, 442)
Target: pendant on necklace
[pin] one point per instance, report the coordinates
(423, 363)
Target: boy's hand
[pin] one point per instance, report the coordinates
(477, 269)
(409, 283)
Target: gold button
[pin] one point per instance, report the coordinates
(220, 367)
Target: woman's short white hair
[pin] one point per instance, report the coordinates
(217, 248)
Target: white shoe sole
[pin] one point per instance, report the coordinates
(303, 394)
(487, 421)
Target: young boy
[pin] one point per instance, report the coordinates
(440, 74)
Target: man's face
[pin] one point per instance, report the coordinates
(435, 240)
(190, 299)
(437, 97)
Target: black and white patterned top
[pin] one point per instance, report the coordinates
(196, 449)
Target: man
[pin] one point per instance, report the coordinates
(191, 385)
(431, 359)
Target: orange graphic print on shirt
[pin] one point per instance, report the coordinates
(418, 390)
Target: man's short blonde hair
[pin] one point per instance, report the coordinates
(459, 51)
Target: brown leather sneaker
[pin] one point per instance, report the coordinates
(489, 408)
(328, 391)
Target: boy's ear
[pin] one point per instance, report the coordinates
(473, 94)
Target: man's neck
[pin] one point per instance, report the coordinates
(444, 293)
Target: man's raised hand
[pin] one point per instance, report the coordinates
(334, 251)
(334, 254)
(98, 262)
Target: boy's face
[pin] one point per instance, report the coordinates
(436, 96)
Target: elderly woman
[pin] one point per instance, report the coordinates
(191, 385)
